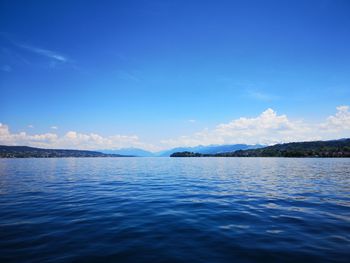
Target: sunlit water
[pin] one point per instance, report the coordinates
(175, 210)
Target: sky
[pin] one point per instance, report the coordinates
(161, 74)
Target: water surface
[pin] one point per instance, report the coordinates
(174, 210)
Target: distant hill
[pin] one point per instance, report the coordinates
(130, 151)
(334, 148)
(210, 149)
(27, 152)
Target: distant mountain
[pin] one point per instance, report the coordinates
(210, 149)
(130, 151)
(334, 148)
(28, 152)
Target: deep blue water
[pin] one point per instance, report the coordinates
(175, 210)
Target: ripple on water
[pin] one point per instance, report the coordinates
(175, 210)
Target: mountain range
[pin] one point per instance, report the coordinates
(209, 149)
(333, 148)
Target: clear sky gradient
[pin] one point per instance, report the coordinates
(169, 71)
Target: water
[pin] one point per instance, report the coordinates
(175, 210)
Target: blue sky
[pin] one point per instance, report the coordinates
(168, 71)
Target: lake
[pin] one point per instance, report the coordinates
(175, 210)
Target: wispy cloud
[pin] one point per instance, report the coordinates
(19, 51)
(262, 96)
(6, 68)
(44, 52)
(127, 75)
(54, 127)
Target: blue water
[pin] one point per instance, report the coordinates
(175, 210)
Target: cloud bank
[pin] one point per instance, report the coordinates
(266, 128)
(70, 140)
(269, 128)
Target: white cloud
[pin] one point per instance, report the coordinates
(338, 122)
(22, 138)
(192, 121)
(54, 127)
(30, 126)
(71, 140)
(258, 95)
(127, 75)
(19, 53)
(44, 52)
(269, 128)
(6, 68)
